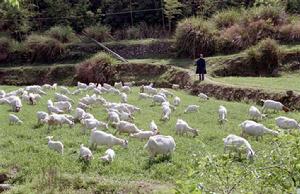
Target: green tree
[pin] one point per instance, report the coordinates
(171, 9)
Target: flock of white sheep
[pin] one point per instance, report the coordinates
(121, 117)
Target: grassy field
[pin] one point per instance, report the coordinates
(36, 169)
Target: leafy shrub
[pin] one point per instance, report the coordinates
(6, 45)
(227, 18)
(44, 48)
(194, 36)
(274, 14)
(97, 69)
(289, 33)
(62, 33)
(264, 57)
(100, 33)
(293, 6)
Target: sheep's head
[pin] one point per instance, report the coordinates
(196, 132)
(49, 138)
(125, 144)
(250, 154)
(18, 109)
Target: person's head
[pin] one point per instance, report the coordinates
(201, 55)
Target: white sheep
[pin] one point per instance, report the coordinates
(130, 84)
(182, 127)
(255, 114)
(79, 114)
(56, 119)
(222, 114)
(52, 109)
(113, 117)
(41, 116)
(107, 86)
(287, 123)
(83, 106)
(238, 144)
(203, 96)
(15, 103)
(109, 156)
(160, 144)
(166, 112)
(81, 85)
(93, 123)
(126, 127)
(166, 92)
(60, 97)
(118, 85)
(144, 134)
(148, 90)
(64, 90)
(103, 138)
(153, 126)
(124, 97)
(55, 145)
(176, 101)
(65, 106)
(191, 108)
(175, 86)
(158, 99)
(126, 89)
(85, 153)
(144, 96)
(13, 119)
(273, 105)
(255, 129)
(76, 92)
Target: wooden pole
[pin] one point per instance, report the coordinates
(105, 48)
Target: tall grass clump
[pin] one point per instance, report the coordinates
(227, 18)
(289, 33)
(44, 48)
(64, 34)
(194, 36)
(97, 69)
(264, 57)
(274, 14)
(99, 33)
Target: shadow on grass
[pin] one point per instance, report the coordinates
(152, 161)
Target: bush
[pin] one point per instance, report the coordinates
(289, 33)
(227, 18)
(194, 36)
(97, 69)
(44, 48)
(64, 34)
(100, 33)
(274, 14)
(264, 57)
(6, 46)
(293, 6)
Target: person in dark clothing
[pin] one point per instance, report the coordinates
(201, 67)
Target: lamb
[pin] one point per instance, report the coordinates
(81, 85)
(160, 144)
(130, 84)
(79, 114)
(15, 103)
(118, 85)
(148, 90)
(182, 127)
(191, 108)
(144, 96)
(60, 97)
(123, 98)
(113, 117)
(107, 86)
(114, 91)
(93, 123)
(109, 156)
(236, 143)
(166, 112)
(41, 116)
(144, 134)
(52, 108)
(13, 119)
(255, 114)
(91, 86)
(35, 89)
(276, 106)
(176, 101)
(55, 145)
(158, 99)
(83, 106)
(85, 153)
(175, 86)
(103, 138)
(255, 129)
(48, 86)
(34, 98)
(153, 126)
(222, 114)
(126, 89)
(55, 119)
(203, 96)
(126, 127)
(64, 90)
(64, 106)
(287, 123)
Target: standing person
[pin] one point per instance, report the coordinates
(201, 67)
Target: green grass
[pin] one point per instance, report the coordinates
(24, 149)
(184, 63)
(283, 83)
(146, 41)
